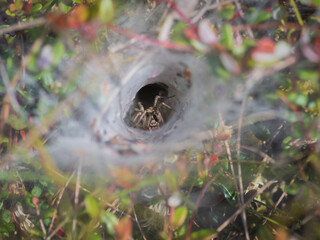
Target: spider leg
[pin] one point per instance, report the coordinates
(148, 123)
(140, 106)
(160, 118)
(136, 117)
(166, 105)
(142, 117)
(156, 101)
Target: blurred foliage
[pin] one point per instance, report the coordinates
(198, 190)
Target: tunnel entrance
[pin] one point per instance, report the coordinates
(151, 107)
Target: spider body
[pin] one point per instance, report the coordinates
(150, 118)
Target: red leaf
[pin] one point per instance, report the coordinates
(35, 202)
(89, 31)
(235, 16)
(317, 45)
(74, 19)
(213, 159)
(124, 229)
(61, 233)
(265, 45)
(23, 134)
(191, 34)
(77, 16)
(27, 7)
(15, 139)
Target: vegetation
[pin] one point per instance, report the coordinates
(256, 178)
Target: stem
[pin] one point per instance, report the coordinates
(296, 11)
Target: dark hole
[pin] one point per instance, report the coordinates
(146, 96)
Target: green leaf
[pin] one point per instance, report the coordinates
(298, 99)
(47, 79)
(17, 123)
(36, 191)
(9, 13)
(203, 234)
(64, 8)
(224, 165)
(227, 39)
(157, 198)
(4, 140)
(47, 221)
(105, 10)
(260, 131)
(179, 217)
(92, 206)
(110, 221)
(259, 16)
(36, 8)
(4, 193)
(11, 67)
(6, 228)
(287, 140)
(229, 194)
(58, 50)
(178, 34)
(49, 213)
(308, 75)
(223, 72)
(36, 232)
(292, 189)
(48, 4)
(6, 216)
(227, 12)
(44, 180)
(314, 2)
(216, 67)
(94, 236)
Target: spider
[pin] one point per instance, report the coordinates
(151, 117)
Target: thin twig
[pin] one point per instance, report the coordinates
(208, 7)
(296, 11)
(4, 114)
(181, 14)
(23, 26)
(269, 25)
(137, 221)
(243, 214)
(266, 157)
(10, 90)
(43, 228)
(23, 69)
(241, 208)
(57, 229)
(284, 194)
(252, 80)
(226, 143)
(59, 199)
(76, 199)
